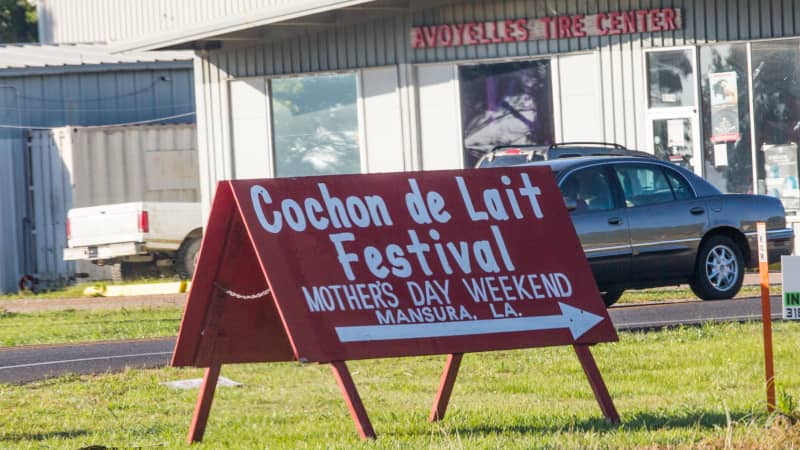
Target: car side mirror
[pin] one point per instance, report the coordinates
(570, 203)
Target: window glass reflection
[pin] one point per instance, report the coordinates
(776, 103)
(727, 155)
(670, 78)
(643, 185)
(504, 104)
(672, 141)
(315, 125)
(679, 186)
(590, 189)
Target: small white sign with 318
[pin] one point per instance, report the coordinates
(790, 269)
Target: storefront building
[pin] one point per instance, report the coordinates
(361, 87)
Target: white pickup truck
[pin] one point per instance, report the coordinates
(136, 239)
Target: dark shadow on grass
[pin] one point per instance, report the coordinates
(641, 421)
(17, 437)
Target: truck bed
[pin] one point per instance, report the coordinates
(167, 224)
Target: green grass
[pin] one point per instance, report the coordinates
(697, 387)
(73, 291)
(71, 325)
(684, 293)
(79, 326)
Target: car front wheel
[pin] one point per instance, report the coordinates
(720, 269)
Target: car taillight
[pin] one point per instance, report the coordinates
(144, 222)
(512, 151)
(69, 230)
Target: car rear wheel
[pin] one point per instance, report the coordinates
(719, 270)
(611, 297)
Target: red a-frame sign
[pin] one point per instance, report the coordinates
(329, 269)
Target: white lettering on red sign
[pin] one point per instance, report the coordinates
(547, 28)
(413, 253)
(416, 252)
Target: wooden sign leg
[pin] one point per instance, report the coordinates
(203, 405)
(445, 387)
(357, 410)
(597, 383)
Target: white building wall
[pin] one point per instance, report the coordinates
(427, 83)
(250, 105)
(382, 119)
(577, 98)
(439, 117)
(72, 21)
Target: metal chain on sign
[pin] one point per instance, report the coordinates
(239, 296)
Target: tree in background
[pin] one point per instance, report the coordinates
(18, 21)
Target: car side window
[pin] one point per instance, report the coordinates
(679, 185)
(590, 189)
(643, 185)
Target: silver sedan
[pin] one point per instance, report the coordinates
(647, 223)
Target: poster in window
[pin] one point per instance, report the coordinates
(505, 104)
(675, 136)
(780, 165)
(724, 107)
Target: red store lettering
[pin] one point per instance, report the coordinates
(641, 21)
(554, 27)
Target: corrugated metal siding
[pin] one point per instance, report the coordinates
(10, 246)
(52, 198)
(92, 98)
(386, 42)
(47, 101)
(54, 58)
(130, 164)
(78, 167)
(69, 21)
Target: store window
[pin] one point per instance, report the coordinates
(315, 125)
(728, 160)
(502, 104)
(672, 115)
(673, 140)
(776, 106)
(670, 78)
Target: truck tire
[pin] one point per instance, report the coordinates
(124, 271)
(187, 257)
(116, 272)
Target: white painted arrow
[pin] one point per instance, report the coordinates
(577, 320)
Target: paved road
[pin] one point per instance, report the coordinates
(23, 364)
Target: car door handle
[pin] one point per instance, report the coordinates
(697, 210)
(614, 220)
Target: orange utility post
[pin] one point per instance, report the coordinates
(766, 314)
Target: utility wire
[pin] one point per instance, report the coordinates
(133, 93)
(140, 122)
(69, 109)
